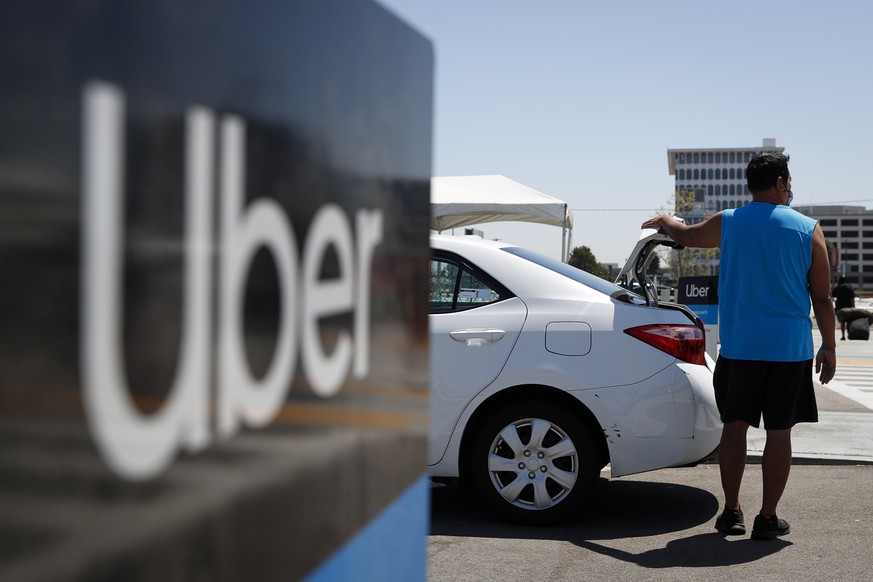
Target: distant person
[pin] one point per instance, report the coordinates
(773, 261)
(844, 296)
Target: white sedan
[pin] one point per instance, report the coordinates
(542, 374)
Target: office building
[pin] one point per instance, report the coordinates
(709, 180)
(712, 179)
(849, 232)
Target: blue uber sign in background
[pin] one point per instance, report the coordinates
(214, 246)
(700, 294)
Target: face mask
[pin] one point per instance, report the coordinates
(790, 195)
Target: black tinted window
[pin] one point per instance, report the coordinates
(455, 286)
(557, 266)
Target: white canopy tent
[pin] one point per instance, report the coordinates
(457, 201)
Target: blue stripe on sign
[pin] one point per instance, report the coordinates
(393, 546)
(707, 313)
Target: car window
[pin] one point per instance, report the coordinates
(570, 271)
(455, 286)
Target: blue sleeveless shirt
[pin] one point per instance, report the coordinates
(763, 290)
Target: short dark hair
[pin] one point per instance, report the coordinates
(764, 169)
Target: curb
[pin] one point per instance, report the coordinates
(755, 459)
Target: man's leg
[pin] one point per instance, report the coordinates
(775, 466)
(732, 460)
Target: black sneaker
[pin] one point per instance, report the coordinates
(769, 528)
(730, 522)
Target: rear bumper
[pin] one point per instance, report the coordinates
(692, 435)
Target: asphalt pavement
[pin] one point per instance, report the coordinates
(844, 431)
(660, 526)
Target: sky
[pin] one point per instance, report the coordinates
(581, 99)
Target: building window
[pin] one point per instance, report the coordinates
(696, 158)
(718, 189)
(733, 190)
(681, 158)
(868, 222)
(828, 222)
(732, 158)
(829, 233)
(868, 256)
(717, 157)
(852, 222)
(696, 174)
(709, 173)
(709, 190)
(681, 175)
(710, 157)
(850, 234)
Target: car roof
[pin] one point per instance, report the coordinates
(523, 277)
(465, 241)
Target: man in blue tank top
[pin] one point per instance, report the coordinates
(773, 262)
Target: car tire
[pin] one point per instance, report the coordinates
(534, 462)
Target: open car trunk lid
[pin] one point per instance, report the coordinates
(635, 271)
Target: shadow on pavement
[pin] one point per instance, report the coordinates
(620, 510)
(698, 551)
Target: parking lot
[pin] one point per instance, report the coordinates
(659, 526)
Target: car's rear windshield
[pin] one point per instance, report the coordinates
(570, 271)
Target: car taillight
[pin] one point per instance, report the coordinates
(685, 342)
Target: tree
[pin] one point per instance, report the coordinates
(583, 258)
(834, 259)
(688, 262)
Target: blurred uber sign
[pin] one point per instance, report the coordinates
(214, 223)
(700, 294)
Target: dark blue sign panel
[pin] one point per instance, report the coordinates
(700, 294)
(214, 223)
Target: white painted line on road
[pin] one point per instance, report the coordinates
(858, 396)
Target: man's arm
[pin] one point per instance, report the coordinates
(706, 234)
(822, 307)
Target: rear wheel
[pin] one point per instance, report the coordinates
(534, 462)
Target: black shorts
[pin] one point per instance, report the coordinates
(780, 391)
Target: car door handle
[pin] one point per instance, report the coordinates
(477, 336)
